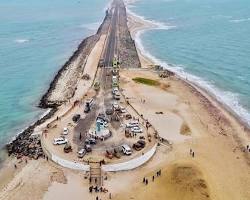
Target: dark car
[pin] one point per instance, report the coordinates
(109, 111)
(88, 148)
(76, 118)
(90, 141)
(67, 148)
(87, 108)
(142, 143)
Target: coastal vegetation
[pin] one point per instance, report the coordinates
(146, 81)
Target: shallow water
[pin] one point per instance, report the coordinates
(36, 39)
(206, 41)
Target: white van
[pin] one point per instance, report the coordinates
(126, 149)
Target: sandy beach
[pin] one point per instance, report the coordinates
(207, 158)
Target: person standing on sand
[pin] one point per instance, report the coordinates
(190, 151)
(144, 180)
(193, 154)
(153, 178)
(110, 197)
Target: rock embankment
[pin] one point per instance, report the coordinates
(61, 89)
(26, 145)
(127, 50)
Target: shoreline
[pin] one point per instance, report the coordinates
(219, 168)
(12, 147)
(142, 25)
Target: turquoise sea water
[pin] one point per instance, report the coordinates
(36, 38)
(207, 41)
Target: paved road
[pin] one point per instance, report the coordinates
(111, 45)
(105, 98)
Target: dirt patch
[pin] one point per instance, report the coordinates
(185, 130)
(58, 176)
(177, 182)
(188, 181)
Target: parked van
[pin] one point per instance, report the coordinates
(126, 149)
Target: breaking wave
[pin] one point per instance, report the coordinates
(20, 41)
(240, 20)
(228, 99)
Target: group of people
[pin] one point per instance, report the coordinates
(97, 198)
(143, 101)
(145, 180)
(191, 152)
(97, 189)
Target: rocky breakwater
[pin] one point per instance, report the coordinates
(127, 50)
(61, 89)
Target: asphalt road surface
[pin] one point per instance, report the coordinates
(109, 52)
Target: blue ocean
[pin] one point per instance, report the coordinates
(36, 38)
(205, 41)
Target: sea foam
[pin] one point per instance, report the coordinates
(21, 40)
(228, 99)
(240, 20)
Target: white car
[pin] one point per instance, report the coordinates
(123, 110)
(59, 141)
(116, 106)
(115, 90)
(126, 149)
(136, 129)
(132, 124)
(81, 153)
(65, 131)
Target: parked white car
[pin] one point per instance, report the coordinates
(59, 141)
(116, 106)
(126, 149)
(136, 129)
(81, 153)
(65, 131)
(132, 124)
(115, 90)
(123, 110)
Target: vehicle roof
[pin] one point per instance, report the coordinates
(81, 150)
(133, 122)
(60, 138)
(125, 146)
